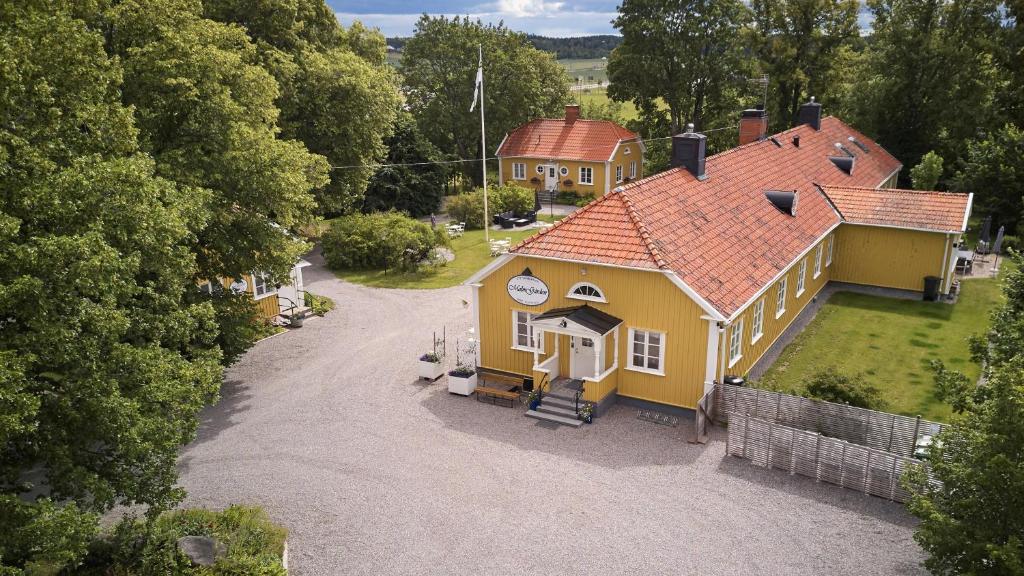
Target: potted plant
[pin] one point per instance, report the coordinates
(432, 363)
(533, 400)
(586, 413)
(462, 380)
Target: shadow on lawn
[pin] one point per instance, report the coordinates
(616, 440)
(888, 304)
(822, 492)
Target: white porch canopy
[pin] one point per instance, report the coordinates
(583, 322)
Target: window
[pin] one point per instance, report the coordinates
(648, 354)
(540, 168)
(758, 325)
(618, 173)
(801, 275)
(632, 169)
(736, 343)
(780, 297)
(518, 171)
(817, 261)
(206, 287)
(831, 241)
(261, 285)
(523, 337)
(627, 150)
(586, 175)
(586, 291)
(563, 171)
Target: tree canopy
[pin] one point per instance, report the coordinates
(410, 183)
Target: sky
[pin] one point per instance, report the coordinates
(543, 17)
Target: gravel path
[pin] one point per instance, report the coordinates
(374, 472)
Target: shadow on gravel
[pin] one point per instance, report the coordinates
(234, 398)
(780, 480)
(616, 440)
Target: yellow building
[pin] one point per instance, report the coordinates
(587, 157)
(663, 286)
(271, 298)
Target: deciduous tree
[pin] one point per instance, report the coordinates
(992, 171)
(410, 183)
(926, 175)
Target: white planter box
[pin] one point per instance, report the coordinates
(463, 386)
(431, 370)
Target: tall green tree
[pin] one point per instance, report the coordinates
(439, 65)
(686, 54)
(410, 183)
(337, 96)
(926, 175)
(104, 360)
(972, 521)
(929, 76)
(798, 44)
(992, 171)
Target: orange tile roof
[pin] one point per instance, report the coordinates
(590, 140)
(938, 211)
(721, 236)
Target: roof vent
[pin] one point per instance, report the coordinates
(844, 163)
(858, 144)
(784, 200)
(845, 150)
(796, 140)
(776, 141)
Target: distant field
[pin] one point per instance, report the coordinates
(589, 71)
(599, 96)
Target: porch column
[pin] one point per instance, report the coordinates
(598, 343)
(615, 354)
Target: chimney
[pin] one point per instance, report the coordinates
(688, 152)
(572, 113)
(753, 125)
(810, 113)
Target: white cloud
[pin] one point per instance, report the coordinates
(528, 8)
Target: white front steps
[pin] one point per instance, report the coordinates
(554, 418)
(557, 410)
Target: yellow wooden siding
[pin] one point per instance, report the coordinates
(268, 306)
(643, 300)
(597, 189)
(774, 327)
(888, 257)
(622, 158)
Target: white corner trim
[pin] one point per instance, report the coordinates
(711, 362)
(614, 151)
(486, 271)
(967, 213)
(497, 151)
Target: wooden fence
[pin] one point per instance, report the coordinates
(704, 416)
(814, 455)
(880, 431)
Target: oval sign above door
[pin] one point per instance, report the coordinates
(528, 290)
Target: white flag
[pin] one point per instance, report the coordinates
(479, 82)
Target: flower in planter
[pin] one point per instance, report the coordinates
(587, 413)
(431, 357)
(462, 372)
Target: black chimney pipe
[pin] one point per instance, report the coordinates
(688, 150)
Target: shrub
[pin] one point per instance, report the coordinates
(387, 240)
(319, 305)
(831, 386)
(469, 208)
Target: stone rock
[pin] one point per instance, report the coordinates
(201, 550)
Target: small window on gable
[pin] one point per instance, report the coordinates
(586, 291)
(626, 150)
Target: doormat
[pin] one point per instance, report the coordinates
(657, 417)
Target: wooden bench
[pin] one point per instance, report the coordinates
(503, 387)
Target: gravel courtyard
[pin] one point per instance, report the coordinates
(374, 472)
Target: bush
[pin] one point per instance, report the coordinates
(387, 240)
(469, 208)
(253, 544)
(831, 386)
(319, 305)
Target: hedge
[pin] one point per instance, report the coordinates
(387, 240)
(469, 208)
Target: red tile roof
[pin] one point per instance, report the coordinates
(590, 140)
(938, 211)
(721, 236)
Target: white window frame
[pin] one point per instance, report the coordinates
(206, 287)
(540, 168)
(817, 261)
(589, 171)
(537, 338)
(632, 169)
(831, 242)
(660, 371)
(801, 277)
(757, 324)
(780, 297)
(599, 298)
(519, 170)
(736, 343)
(261, 279)
(618, 173)
(564, 170)
(627, 150)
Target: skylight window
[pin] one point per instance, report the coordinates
(845, 150)
(859, 144)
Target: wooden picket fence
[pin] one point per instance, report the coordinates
(880, 431)
(812, 454)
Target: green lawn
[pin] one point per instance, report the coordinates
(471, 254)
(890, 342)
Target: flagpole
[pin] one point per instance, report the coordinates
(483, 147)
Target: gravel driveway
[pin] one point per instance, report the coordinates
(374, 472)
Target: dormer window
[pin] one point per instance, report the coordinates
(844, 163)
(586, 291)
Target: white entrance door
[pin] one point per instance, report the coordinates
(292, 291)
(551, 177)
(581, 362)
